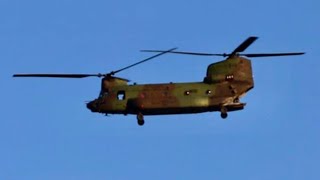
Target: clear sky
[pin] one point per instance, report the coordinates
(46, 132)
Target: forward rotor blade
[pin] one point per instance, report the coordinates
(272, 54)
(161, 53)
(187, 53)
(243, 46)
(59, 75)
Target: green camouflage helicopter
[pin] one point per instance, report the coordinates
(225, 83)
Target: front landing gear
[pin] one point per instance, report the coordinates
(224, 112)
(224, 115)
(140, 119)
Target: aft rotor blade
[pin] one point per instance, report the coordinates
(272, 54)
(243, 46)
(59, 75)
(187, 53)
(161, 53)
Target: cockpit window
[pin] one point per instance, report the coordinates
(121, 95)
(103, 94)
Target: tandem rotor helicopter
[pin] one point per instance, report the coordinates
(225, 83)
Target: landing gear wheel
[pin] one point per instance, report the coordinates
(236, 100)
(224, 113)
(140, 122)
(140, 119)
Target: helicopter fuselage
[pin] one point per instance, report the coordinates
(171, 98)
(225, 83)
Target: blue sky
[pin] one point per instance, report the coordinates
(46, 132)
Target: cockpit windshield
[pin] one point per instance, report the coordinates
(103, 94)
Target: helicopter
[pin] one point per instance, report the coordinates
(225, 83)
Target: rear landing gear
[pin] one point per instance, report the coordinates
(224, 113)
(140, 119)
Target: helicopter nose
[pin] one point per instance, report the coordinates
(92, 106)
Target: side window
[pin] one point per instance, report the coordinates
(229, 77)
(121, 95)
